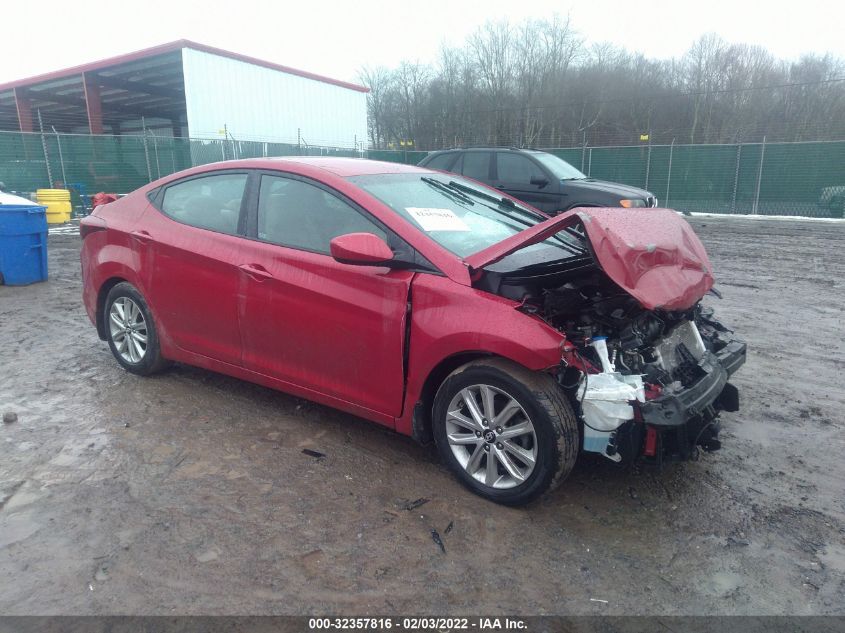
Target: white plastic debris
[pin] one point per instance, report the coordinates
(606, 405)
(599, 343)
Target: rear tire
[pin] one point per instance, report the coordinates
(131, 331)
(519, 441)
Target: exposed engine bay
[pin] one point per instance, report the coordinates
(646, 383)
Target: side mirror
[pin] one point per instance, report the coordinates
(540, 182)
(363, 249)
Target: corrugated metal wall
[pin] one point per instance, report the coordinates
(256, 103)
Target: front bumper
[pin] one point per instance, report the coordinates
(678, 421)
(675, 408)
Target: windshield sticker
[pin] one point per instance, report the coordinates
(437, 219)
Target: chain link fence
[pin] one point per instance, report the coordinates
(86, 164)
(801, 179)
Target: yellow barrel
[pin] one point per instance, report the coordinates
(57, 202)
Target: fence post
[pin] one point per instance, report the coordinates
(669, 175)
(146, 149)
(589, 161)
(759, 178)
(61, 158)
(44, 147)
(155, 149)
(648, 162)
(583, 149)
(736, 177)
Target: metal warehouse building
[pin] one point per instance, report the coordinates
(185, 89)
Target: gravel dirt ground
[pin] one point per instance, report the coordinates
(189, 493)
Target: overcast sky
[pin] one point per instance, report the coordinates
(336, 37)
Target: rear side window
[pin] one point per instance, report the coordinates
(209, 202)
(441, 161)
(517, 169)
(301, 215)
(476, 165)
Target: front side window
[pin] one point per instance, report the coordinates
(208, 202)
(301, 215)
(517, 169)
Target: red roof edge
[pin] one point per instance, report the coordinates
(169, 48)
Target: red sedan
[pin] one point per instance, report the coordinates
(425, 302)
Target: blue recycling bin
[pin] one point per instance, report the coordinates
(23, 244)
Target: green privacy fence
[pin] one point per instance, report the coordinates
(806, 179)
(803, 179)
(397, 156)
(119, 164)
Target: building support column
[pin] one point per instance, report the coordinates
(24, 108)
(92, 103)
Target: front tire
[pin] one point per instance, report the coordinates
(507, 433)
(131, 331)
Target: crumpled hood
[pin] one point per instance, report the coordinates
(653, 254)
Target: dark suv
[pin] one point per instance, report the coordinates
(540, 179)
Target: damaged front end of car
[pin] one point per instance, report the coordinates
(651, 385)
(644, 363)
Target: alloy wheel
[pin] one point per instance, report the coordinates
(491, 436)
(128, 330)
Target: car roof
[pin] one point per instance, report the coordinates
(527, 150)
(337, 166)
(344, 167)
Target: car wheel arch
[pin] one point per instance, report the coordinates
(421, 422)
(102, 293)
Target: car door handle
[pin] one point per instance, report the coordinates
(259, 273)
(141, 236)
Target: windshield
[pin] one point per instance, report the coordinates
(463, 216)
(559, 167)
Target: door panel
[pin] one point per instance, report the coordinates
(334, 328)
(191, 272)
(308, 320)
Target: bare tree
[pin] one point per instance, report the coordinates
(537, 83)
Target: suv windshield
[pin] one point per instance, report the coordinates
(559, 167)
(464, 217)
